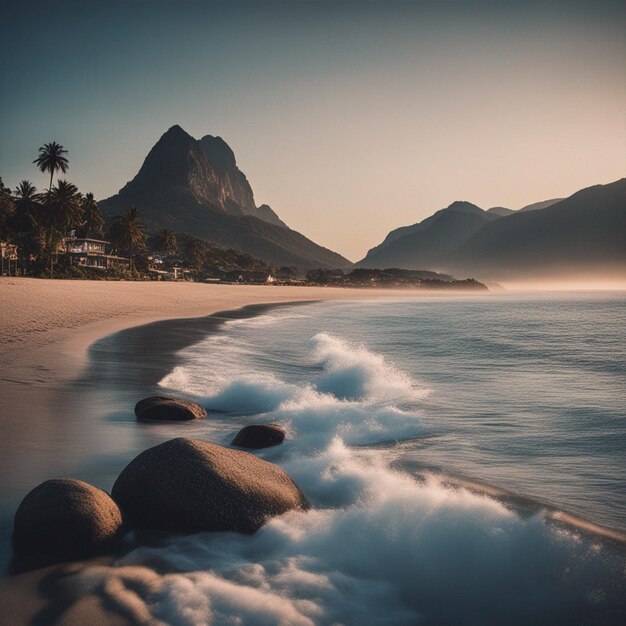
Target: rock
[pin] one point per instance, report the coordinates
(163, 408)
(259, 436)
(188, 485)
(64, 519)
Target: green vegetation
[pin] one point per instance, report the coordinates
(93, 223)
(392, 277)
(38, 223)
(127, 234)
(38, 230)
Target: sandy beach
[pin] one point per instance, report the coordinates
(47, 327)
(44, 320)
(48, 324)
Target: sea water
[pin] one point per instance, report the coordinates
(464, 457)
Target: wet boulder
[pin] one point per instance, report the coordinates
(64, 519)
(257, 436)
(188, 485)
(164, 408)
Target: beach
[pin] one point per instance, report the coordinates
(47, 327)
(398, 417)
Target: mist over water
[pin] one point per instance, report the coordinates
(383, 402)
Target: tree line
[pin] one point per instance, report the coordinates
(39, 221)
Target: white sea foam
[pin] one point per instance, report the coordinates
(378, 546)
(355, 373)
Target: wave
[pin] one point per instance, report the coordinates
(378, 546)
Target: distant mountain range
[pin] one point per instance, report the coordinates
(194, 186)
(582, 234)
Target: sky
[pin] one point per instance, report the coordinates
(348, 118)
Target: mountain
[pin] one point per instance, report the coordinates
(415, 247)
(536, 206)
(500, 211)
(266, 213)
(582, 234)
(194, 186)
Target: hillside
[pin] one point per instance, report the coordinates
(194, 186)
(415, 247)
(584, 234)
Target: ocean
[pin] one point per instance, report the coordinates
(465, 457)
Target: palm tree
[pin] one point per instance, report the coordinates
(29, 234)
(128, 234)
(26, 201)
(51, 159)
(7, 209)
(93, 222)
(166, 242)
(66, 205)
(65, 213)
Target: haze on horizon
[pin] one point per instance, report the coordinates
(348, 118)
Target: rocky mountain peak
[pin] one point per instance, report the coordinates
(218, 153)
(194, 186)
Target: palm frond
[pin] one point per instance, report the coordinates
(52, 158)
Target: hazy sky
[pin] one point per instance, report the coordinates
(349, 118)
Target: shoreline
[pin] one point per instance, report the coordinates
(131, 349)
(33, 594)
(48, 325)
(68, 316)
(134, 348)
(27, 595)
(49, 328)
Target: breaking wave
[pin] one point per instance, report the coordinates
(379, 546)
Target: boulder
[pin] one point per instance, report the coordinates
(64, 519)
(163, 408)
(188, 485)
(259, 436)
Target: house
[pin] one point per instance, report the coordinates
(91, 253)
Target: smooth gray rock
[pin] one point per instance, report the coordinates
(165, 408)
(257, 436)
(66, 519)
(188, 485)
